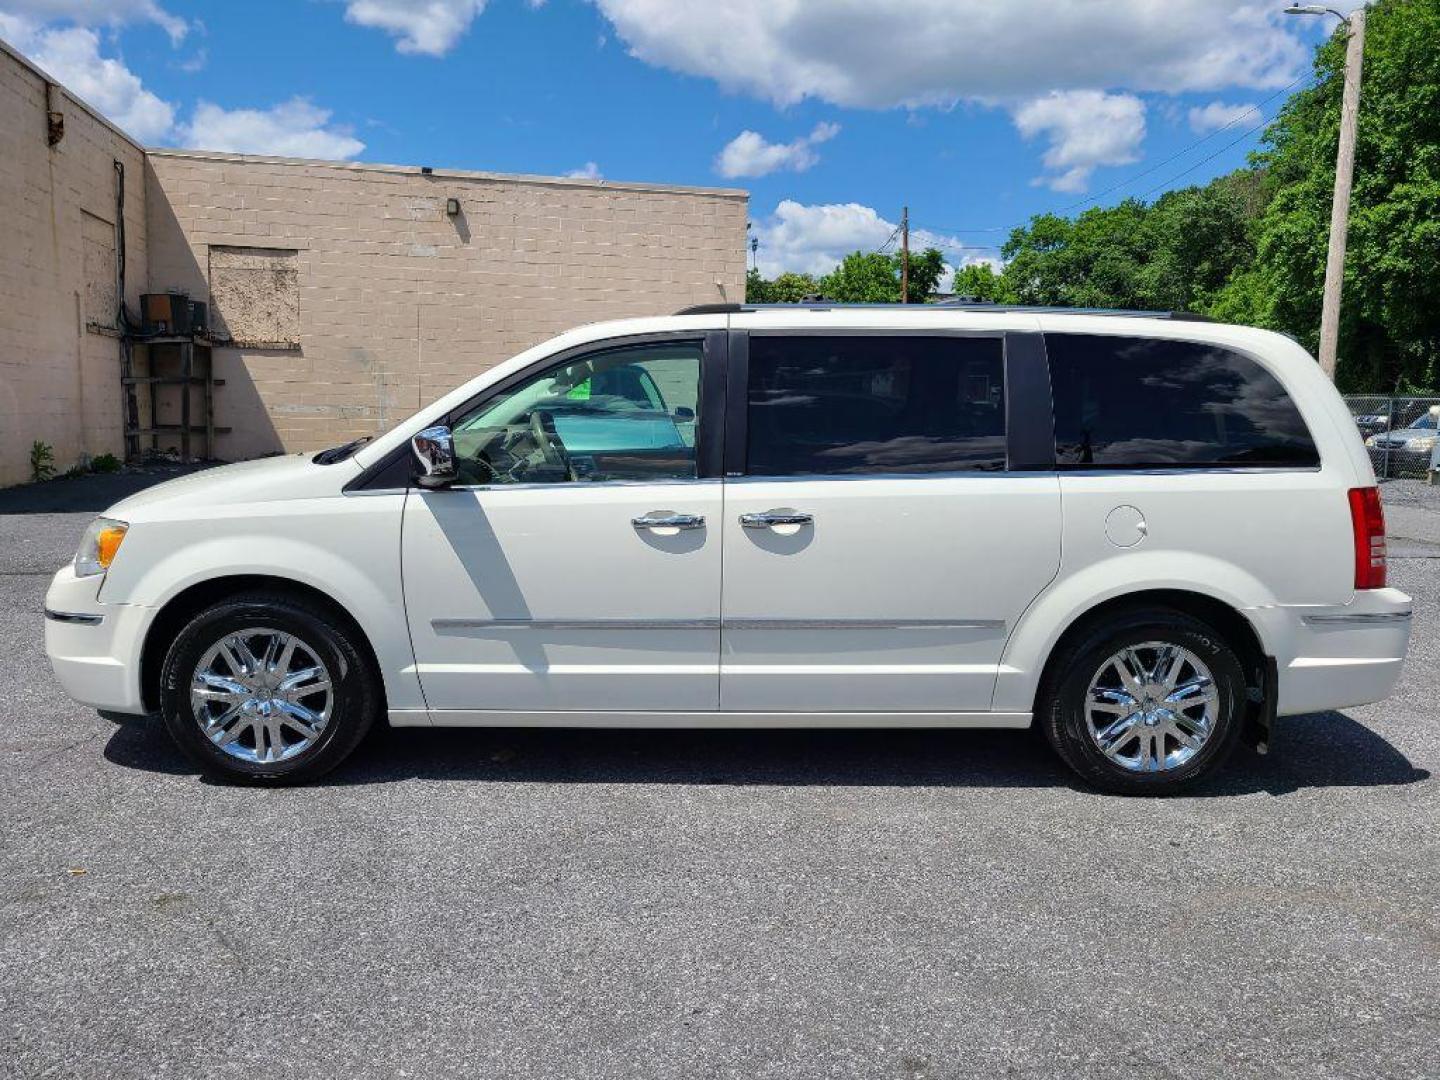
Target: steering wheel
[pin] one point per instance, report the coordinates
(547, 438)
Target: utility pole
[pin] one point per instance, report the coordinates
(1340, 207)
(905, 254)
(1344, 170)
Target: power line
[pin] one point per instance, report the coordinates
(1195, 145)
(1210, 157)
(1187, 149)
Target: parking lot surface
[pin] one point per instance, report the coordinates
(717, 904)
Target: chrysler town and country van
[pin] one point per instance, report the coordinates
(1147, 535)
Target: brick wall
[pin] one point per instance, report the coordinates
(399, 302)
(357, 297)
(59, 381)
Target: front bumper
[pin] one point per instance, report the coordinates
(1339, 657)
(94, 648)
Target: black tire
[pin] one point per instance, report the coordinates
(1063, 716)
(355, 703)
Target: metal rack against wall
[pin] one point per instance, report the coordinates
(185, 363)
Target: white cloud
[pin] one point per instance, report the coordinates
(813, 239)
(431, 27)
(588, 171)
(72, 57)
(295, 128)
(884, 53)
(1086, 129)
(748, 154)
(1219, 114)
(90, 13)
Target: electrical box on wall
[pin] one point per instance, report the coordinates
(172, 313)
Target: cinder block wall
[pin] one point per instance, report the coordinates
(59, 380)
(355, 298)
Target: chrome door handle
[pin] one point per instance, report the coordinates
(666, 519)
(765, 519)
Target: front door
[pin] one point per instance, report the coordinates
(878, 546)
(576, 566)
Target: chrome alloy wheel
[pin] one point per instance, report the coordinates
(261, 695)
(1151, 707)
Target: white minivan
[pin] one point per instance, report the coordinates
(1149, 535)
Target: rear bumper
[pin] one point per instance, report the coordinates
(1345, 656)
(94, 648)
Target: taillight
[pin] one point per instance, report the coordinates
(1367, 518)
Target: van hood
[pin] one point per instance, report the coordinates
(272, 479)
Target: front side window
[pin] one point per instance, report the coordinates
(627, 413)
(1150, 403)
(867, 404)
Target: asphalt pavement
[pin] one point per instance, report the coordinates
(788, 905)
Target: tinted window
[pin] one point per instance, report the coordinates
(1139, 403)
(622, 414)
(875, 404)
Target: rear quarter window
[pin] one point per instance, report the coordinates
(1149, 403)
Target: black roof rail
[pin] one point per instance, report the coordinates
(946, 305)
(711, 309)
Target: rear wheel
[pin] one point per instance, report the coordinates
(267, 689)
(1147, 704)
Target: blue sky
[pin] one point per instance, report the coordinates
(832, 113)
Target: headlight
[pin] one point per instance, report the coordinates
(97, 550)
(1370, 441)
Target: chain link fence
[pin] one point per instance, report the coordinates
(1399, 432)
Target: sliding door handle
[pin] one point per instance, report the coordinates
(769, 518)
(668, 519)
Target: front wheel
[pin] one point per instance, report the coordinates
(1147, 704)
(267, 689)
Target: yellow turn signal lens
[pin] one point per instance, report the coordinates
(107, 544)
(99, 546)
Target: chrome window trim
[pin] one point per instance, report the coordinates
(962, 474)
(584, 485)
(1183, 470)
(77, 618)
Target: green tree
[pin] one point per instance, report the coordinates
(787, 288)
(1174, 254)
(926, 270)
(791, 288)
(979, 281)
(874, 278)
(863, 279)
(1390, 317)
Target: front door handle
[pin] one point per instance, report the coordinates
(668, 519)
(768, 518)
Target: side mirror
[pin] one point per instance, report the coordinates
(684, 414)
(435, 447)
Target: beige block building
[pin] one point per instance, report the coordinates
(342, 297)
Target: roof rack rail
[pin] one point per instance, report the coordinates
(946, 305)
(711, 309)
